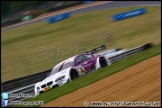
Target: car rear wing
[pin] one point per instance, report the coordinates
(103, 47)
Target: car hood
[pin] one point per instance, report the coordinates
(55, 76)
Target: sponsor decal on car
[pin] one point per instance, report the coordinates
(81, 69)
(47, 88)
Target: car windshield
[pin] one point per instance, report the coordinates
(55, 70)
(66, 65)
(61, 67)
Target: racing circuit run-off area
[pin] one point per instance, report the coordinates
(138, 83)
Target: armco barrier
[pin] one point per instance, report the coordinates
(24, 81)
(129, 14)
(130, 52)
(59, 17)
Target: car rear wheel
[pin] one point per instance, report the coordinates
(103, 62)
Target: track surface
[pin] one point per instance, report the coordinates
(140, 82)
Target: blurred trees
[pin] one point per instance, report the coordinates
(9, 7)
(15, 11)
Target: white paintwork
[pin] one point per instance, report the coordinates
(65, 72)
(107, 56)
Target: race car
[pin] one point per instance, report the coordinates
(73, 68)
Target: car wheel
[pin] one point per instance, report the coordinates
(73, 75)
(103, 62)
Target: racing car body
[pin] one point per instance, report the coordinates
(76, 67)
(71, 69)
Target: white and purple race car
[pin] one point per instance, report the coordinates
(73, 68)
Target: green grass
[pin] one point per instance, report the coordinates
(37, 47)
(97, 75)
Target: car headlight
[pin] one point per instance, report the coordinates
(60, 78)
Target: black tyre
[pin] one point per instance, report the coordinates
(73, 75)
(103, 62)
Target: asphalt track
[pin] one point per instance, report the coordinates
(138, 83)
(108, 5)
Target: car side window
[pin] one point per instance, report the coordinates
(83, 58)
(80, 59)
(88, 56)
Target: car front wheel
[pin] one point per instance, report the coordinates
(73, 75)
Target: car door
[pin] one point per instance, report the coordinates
(91, 59)
(82, 63)
(86, 62)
